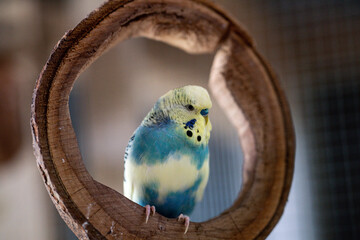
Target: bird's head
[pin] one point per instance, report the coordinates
(189, 107)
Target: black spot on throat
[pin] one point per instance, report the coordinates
(199, 138)
(189, 133)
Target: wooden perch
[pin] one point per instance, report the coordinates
(240, 79)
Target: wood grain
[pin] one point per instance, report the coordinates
(240, 79)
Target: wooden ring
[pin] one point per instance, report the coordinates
(243, 84)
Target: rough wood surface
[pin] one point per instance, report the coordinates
(242, 83)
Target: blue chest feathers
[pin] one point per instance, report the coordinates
(154, 144)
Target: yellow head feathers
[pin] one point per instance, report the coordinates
(195, 95)
(183, 103)
(185, 106)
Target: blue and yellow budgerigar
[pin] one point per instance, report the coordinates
(167, 158)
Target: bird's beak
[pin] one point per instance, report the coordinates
(205, 113)
(206, 119)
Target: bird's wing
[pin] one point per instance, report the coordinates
(154, 144)
(149, 146)
(128, 147)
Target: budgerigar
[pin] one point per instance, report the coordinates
(167, 158)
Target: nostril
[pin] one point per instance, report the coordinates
(204, 112)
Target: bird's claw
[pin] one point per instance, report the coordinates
(149, 209)
(186, 221)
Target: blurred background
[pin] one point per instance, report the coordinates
(314, 48)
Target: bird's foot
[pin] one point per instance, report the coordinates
(149, 209)
(186, 220)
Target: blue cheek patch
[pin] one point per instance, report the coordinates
(204, 112)
(190, 124)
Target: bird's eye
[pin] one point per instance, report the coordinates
(189, 107)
